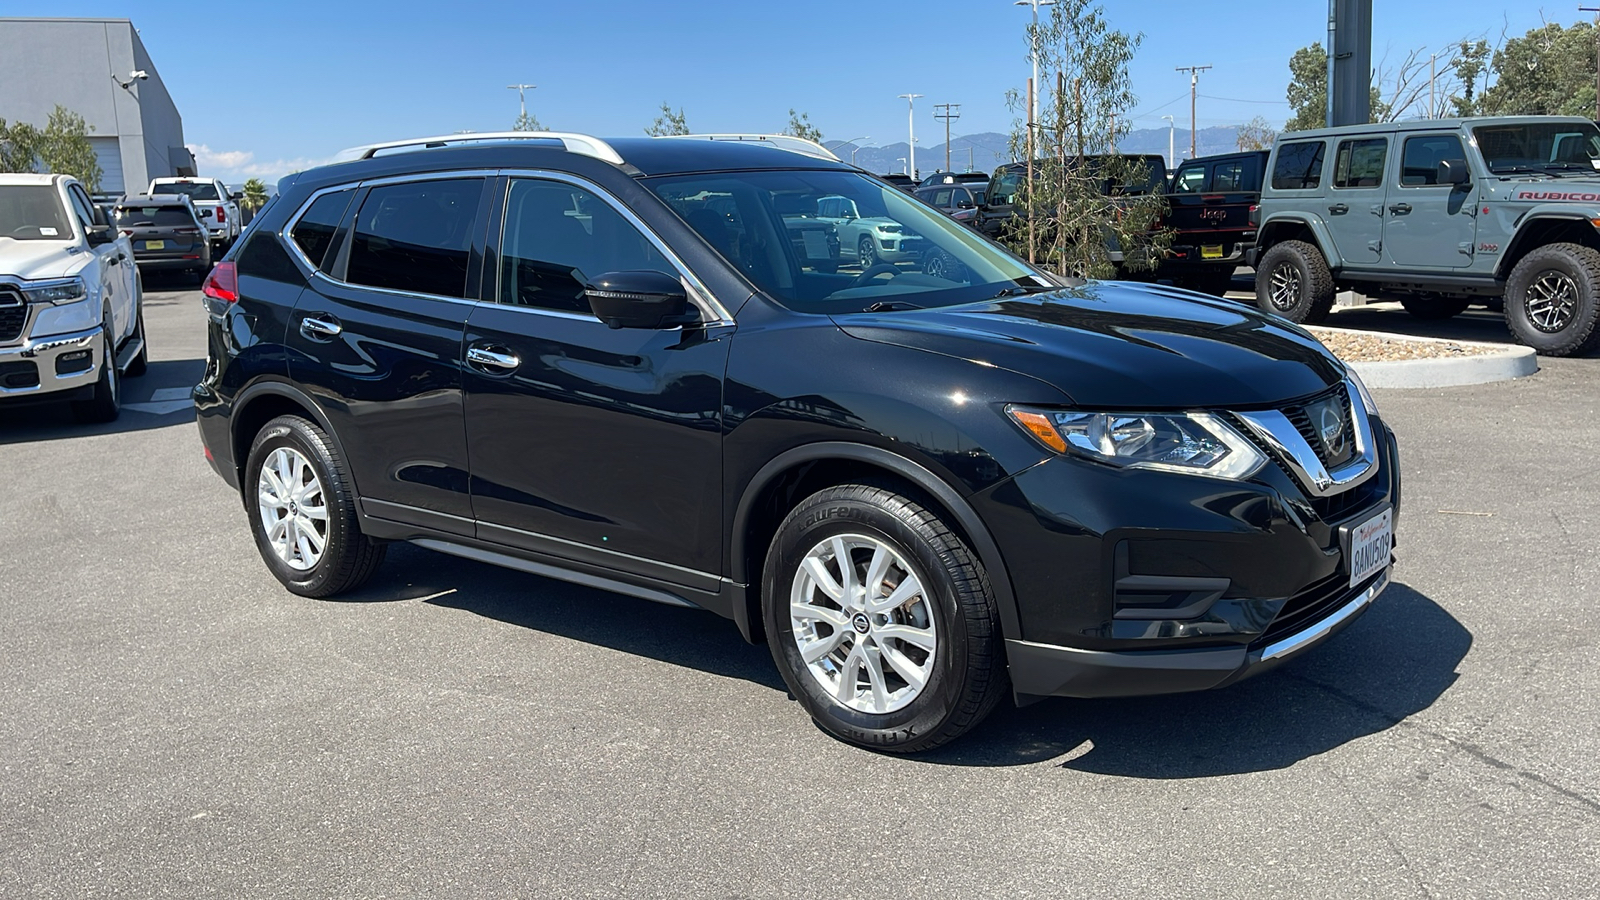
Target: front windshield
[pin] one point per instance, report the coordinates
(837, 242)
(33, 212)
(194, 190)
(1540, 147)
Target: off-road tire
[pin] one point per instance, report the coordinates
(105, 404)
(349, 557)
(1434, 309)
(968, 675)
(1314, 299)
(1579, 335)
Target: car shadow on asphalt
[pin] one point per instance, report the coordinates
(1392, 663)
(157, 399)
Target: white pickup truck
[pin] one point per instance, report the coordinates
(71, 302)
(218, 209)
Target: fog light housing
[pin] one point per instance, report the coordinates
(74, 362)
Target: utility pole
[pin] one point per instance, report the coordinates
(950, 112)
(522, 99)
(1194, 83)
(911, 130)
(1596, 11)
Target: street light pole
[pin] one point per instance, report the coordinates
(911, 129)
(1172, 133)
(902, 161)
(854, 148)
(1033, 43)
(522, 99)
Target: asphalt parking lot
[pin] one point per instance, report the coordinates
(174, 724)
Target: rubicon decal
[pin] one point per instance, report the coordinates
(1558, 195)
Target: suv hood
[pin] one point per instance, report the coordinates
(34, 260)
(1122, 345)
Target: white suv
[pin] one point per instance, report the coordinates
(70, 299)
(218, 209)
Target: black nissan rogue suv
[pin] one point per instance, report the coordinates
(619, 363)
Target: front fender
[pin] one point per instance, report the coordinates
(1533, 225)
(1275, 224)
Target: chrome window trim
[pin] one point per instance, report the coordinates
(704, 300)
(1274, 428)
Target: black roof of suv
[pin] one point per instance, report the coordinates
(650, 366)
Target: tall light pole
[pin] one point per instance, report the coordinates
(1194, 82)
(522, 99)
(902, 161)
(1172, 131)
(1033, 43)
(911, 129)
(853, 147)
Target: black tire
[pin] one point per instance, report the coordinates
(967, 674)
(1431, 308)
(348, 557)
(105, 404)
(140, 363)
(1309, 298)
(866, 252)
(1565, 328)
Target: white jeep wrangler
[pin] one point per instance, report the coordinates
(71, 301)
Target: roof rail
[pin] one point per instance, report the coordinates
(574, 143)
(781, 141)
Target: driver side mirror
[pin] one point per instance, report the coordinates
(236, 196)
(1453, 172)
(99, 233)
(639, 299)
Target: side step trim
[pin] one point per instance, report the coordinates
(549, 571)
(132, 348)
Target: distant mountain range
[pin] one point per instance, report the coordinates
(986, 150)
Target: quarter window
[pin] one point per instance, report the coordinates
(1420, 157)
(1190, 180)
(315, 231)
(559, 237)
(1228, 176)
(416, 236)
(1299, 166)
(1360, 163)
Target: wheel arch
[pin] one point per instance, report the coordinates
(1541, 229)
(799, 472)
(1282, 228)
(259, 404)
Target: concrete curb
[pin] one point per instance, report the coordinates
(1503, 363)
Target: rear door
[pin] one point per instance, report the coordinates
(1430, 225)
(1355, 198)
(378, 344)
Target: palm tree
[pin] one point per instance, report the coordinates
(255, 195)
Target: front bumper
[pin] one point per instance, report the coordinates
(36, 367)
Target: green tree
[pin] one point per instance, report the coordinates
(800, 126)
(668, 122)
(1075, 207)
(1470, 64)
(1308, 91)
(19, 147)
(527, 122)
(64, 147)
(255, 194)
(1548, 71)
(1256, 134)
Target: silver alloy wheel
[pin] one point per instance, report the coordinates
(1552, 300)
(1284, 286)
(294, 512)
(867, 252)
(863, 623)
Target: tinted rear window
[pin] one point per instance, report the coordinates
(155, 217)
(416, 236)
(315, 230)
(194, 190)
(1298, 166)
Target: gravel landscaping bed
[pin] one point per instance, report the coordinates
(1367, 347)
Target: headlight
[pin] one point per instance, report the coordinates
(1194, 443)
(1365, 395)
(67, 290)
(889, 229)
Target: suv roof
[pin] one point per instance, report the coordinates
(1423, 125)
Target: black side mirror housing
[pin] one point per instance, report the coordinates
(236, 196)
(639, 299)
(1453, 171)
(100, 234)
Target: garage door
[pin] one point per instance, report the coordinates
(108, 151)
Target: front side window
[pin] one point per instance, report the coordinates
(33, 212)
(560, 237)
(314, 233)
(1298, 166)
(1190, 180)
(1360, 163)
(1004, 191)
(416, 236)
(1420, 157)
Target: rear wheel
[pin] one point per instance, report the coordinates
(1293, 281)
(1552, 300)
(1433, 307)
(881, 620)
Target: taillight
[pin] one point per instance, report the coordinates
(186, 231)
(127, 231)
(1255, 214)
(223, 283)
(222, 214)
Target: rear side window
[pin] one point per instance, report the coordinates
(1228, 176)
(416, 236)
(1360, 163)
(155, 217)
(1420, 157)
(314, 233)
(1298, 167)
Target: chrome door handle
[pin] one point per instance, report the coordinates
(1400, 209)
(479, 356)
(1339, 209)
(320, 328)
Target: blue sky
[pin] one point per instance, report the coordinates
(310, 79)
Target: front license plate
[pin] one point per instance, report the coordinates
(1210, 251)
(1371, 543)
(155, 245)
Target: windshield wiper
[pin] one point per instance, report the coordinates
(890, 306)
(1019, 290)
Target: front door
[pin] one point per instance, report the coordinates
(590, 443)
(1355, 200)
(1430, 225)
(378, 345)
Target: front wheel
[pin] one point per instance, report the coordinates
(302, 511)
(105, 403)
(881, 620)
(1293, 281)
(140, 362)
(867, 252)
(1552, 300)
